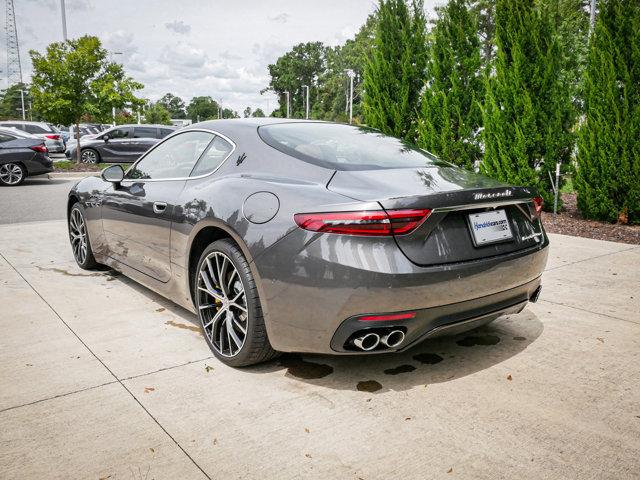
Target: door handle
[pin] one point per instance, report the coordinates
(159, 207)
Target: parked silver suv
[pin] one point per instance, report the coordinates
(48, 132)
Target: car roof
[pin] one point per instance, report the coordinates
(151, 125)
(16, 131)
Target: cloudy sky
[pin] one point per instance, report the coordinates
(193, 47)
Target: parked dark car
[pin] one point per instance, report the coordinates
(46, 131)
(312, 237)
(124, 143)
(21, 155)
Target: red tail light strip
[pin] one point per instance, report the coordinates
(39, 148)
(384, 318)
(537, 206)
(369, 223)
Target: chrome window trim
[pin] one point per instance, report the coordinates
(180, 132)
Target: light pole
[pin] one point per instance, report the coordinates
(64, 20)
(306, 102)
(22, 98)
(220, 108)
(351, 74)
(288, 112)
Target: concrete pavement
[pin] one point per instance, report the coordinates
(37, 199)
(101, 378)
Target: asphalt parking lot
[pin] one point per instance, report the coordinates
(101, 378)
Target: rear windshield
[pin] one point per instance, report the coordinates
(344, 147)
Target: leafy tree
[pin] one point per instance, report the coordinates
(228, 113)
(202, 108)
(526, 107)
(174, 105)
(485, 11)
(74, 78)
(451, 115)
(11, 102)
(394, 73)
(247, 112)
(608, 174)
(333, 84)
(158, 114)
(300, 66)
(258, 113)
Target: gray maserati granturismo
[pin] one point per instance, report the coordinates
(303, 236)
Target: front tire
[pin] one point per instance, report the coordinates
(79, 238)
(12, 174)
(229, 308)
(89, 155)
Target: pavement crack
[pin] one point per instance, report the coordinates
(107, 368)
(591, 311)
(590, 258)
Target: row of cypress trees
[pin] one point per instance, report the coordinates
(500, 85)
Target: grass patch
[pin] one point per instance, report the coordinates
(70, 166)
(568, 186)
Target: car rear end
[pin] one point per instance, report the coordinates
(409, 254)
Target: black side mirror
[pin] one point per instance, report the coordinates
(105, 137)
(113, 174)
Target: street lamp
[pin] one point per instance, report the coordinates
(288, 111)
(351, 74)
(64, 20)
(22, 99)
(307, 102)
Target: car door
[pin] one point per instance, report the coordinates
(116, 145)
(137, 215)
(144, 138)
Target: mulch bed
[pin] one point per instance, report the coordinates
(570, 222)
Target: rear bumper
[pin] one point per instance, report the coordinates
(439, 321)
(310, 284)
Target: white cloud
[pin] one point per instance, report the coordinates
(178, 26)
(280, 18)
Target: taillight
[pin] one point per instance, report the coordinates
(39, 148)
(537, 207)
(53, 137)
(387, 318)
(369, 223)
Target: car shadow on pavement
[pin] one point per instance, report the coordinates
(433, 361)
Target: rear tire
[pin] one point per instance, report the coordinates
(89, 155)
(12, 174)
(79, 238)
(229, 307)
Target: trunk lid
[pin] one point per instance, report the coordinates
(452, 194)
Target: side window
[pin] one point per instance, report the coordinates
(5, 137)
(165, 131)
(173, 158)
(14, 125)
(34, 129)
(120, 133)
(217, 152)
(145, 132)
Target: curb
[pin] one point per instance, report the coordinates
(72, 175)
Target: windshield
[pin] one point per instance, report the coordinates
(344, 147)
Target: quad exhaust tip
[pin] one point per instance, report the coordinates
(393, 338)
(367, 342)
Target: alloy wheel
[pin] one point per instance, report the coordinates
(89, 156)
(78, 236)
(222, 304)
(11, 174)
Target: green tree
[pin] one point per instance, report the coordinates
(156, 113)
(174, 105)
(526, 107)
(74, 78)
(258, 113)
(228, 113)
(202, 108)
(394, 73)
(11, 102)
(300, 66)
(247, 112)
(608, 173)
(451, 114)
